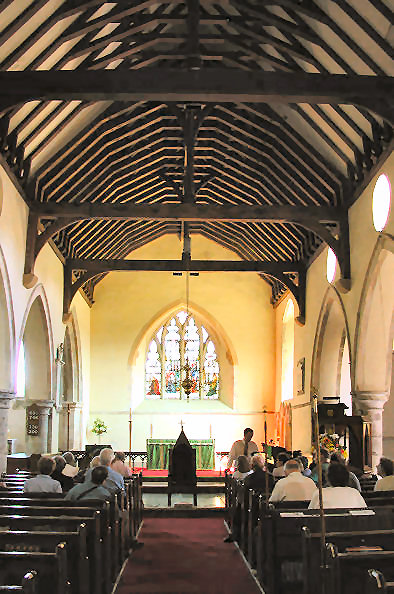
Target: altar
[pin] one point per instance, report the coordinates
(158, 452)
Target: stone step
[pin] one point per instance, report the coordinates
(201, 488)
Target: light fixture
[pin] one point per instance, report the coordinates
(187, 383)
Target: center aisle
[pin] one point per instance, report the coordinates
(183, 555)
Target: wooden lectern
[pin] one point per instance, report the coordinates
(182, 476)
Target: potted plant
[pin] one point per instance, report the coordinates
(99, 427)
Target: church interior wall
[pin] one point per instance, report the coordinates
(49, 286)
(126, 303)
(363, 240)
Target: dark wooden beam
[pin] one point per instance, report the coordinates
(187, 212)
(101, 266)
(206, 86)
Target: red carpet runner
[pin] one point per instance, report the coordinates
(183, 555)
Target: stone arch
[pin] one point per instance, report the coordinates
(331, 342)
(7, 331)
(225, 351)
(36, 333)
(374, 336)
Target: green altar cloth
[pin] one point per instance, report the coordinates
(158, 452)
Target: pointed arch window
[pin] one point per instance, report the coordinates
(181, 338)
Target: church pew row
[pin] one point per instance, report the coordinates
(377, 583)
(279, 544)
(51, 568)
(99, 578)
(125, 524)
(347, 571)
(28, 585)
(311, 552)
(46, 542)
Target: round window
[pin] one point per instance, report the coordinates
(381, 202)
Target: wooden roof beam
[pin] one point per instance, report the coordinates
(204, 86)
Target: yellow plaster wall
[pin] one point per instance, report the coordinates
(127, 303)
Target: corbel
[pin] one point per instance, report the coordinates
(343, 254)
(298, 291)
(29, 278)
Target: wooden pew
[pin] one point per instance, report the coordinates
(99, 579)
(280, 547)
(51, 568)
(28, 585)
(377, 584)
(342, 540)
(45, 542)
(115, 549)
(346, 572)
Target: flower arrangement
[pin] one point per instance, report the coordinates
(331, 443)
(99, 427)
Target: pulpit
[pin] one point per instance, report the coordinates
(182, 476)
(356, 432)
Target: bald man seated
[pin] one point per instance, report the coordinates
(295, 486)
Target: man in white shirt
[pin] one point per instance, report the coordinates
(43, 483)
(243, 447)
(338, 495)
(295, 486)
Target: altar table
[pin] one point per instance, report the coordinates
(158, 452)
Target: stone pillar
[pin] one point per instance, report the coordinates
(5, 402)
(70, 418)
(370, 405)
(39, 444)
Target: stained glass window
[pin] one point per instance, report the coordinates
(179, 341)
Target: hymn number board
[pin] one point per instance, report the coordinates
(33, 420)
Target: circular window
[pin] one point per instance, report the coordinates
(331, 265)
(381, 202)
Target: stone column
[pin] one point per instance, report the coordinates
(74, 411)
(5, 402)
(39, 444)
(370, 405)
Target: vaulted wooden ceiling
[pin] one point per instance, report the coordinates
(255, 123)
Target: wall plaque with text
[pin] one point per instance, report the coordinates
(33, 420)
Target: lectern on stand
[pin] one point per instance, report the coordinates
(182, 476)
(356, 432)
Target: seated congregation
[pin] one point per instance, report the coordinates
(65, 529)
(297, 541)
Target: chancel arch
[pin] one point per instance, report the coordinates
(374, 346)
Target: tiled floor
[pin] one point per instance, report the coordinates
(203, 500)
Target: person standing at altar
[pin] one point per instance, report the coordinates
(243, 447)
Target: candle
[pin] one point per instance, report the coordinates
(210, 431)
(151, 430)
(130, 415)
